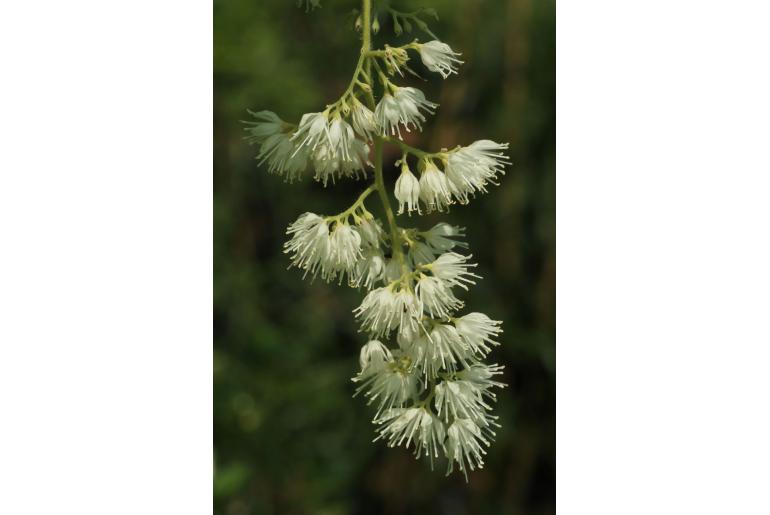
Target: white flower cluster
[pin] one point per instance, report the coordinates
(432, 389)
(327, 142)
(333, 248)
(467, 170)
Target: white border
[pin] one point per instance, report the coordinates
(106, 260)
(663, 258)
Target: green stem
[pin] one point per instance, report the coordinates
(406, 148)
(366, 46)
(379, 182)
(354, 81)
(414, 45)
(395, 239)
(352, 209)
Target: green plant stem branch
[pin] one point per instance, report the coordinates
(409, 149)
(414, 45)
(362, 59)
(359, 203)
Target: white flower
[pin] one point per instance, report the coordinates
(481, 375)
(412, 102)
(403, 107)
(453, 269)
(407, 337)
(447, 342)
(478, 330)
(283, 157)
(341, 137)
(388, 115)
(373, 358)
(439, 57)
(384, 310)
(432, 435)
(267, 124)
(421, 253)
(460, 399)
(313, 130)
(470, 168)
(371, 231)
(464, 445)
(330, 164)
(392, 386)
(376, 311)
(369, 270)
(434, 187)
(407, 311)
(310, 244)
(443, 349)
(407, 191)
(429, 358)
(440, 237)
(393, 270)
(345, 249)
(402, 425)
(362, 119)
(436, 297)
(359, 158)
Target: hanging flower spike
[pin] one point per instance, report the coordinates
(422, 365)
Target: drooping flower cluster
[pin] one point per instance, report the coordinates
(435, 379)
(431, 387)
(325, 141)
(467, 171)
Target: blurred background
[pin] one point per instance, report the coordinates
(288, 436)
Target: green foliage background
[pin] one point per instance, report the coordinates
(288, 436)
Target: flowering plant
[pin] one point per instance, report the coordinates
(431, 387)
